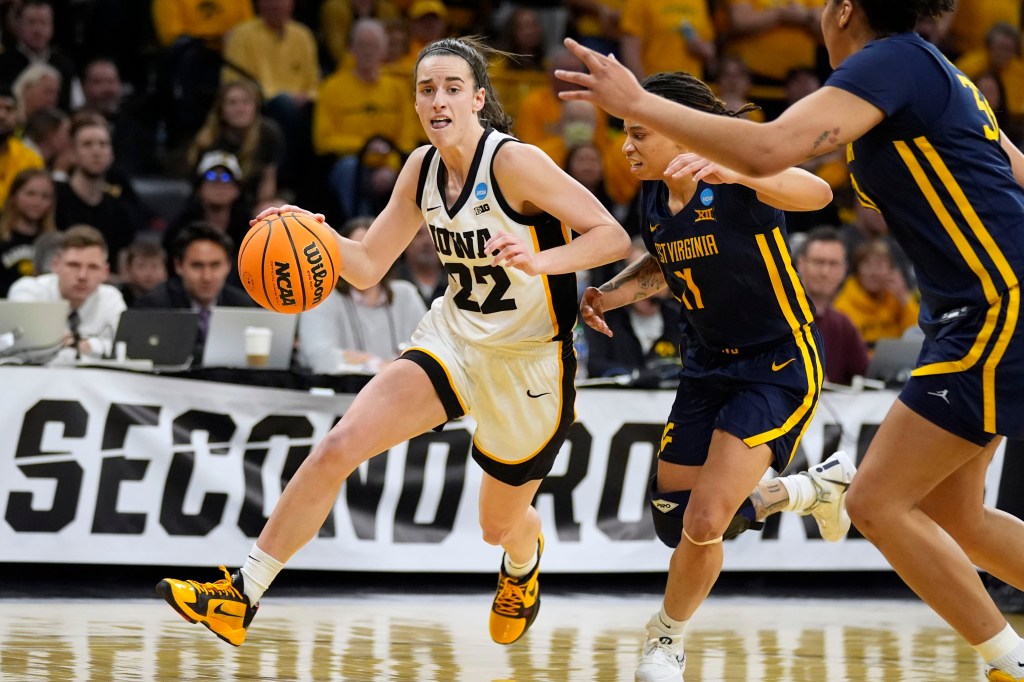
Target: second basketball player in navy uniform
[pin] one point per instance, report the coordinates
(752, 360)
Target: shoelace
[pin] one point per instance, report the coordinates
(656, 649)
(223, 586)
(511, 597)
(822, 495)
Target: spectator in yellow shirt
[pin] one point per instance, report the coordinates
(15, 155)
(667, 36)
(773, 37)
(1001, 56)
(338, 18)
(358, 103)
(540, 113)
(208, 20)
(280, 54)
(191, 33)
(876, 297)
(973, 18)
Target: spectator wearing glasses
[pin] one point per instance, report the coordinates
(216, 200)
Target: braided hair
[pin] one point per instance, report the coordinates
(683, 88)
(887, 17)
(475, 53)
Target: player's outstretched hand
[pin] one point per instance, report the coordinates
(287, 208)
(593, 311)
(511, 251)
(609, 85)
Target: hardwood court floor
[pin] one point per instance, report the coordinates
(444, 639)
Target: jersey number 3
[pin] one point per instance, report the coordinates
(991, 130)
(495, 301)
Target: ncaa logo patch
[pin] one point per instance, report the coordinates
(481, 191)
(707, 197)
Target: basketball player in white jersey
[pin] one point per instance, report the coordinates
(497, 345)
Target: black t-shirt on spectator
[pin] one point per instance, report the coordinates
(16, 260)
(116, 217)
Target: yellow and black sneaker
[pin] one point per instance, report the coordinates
(221, 606)
(996, 675)
(516, 605)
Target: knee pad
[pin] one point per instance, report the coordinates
(667, 510)
(745, 519)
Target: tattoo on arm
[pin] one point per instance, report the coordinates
(645, 271)
(829, 136)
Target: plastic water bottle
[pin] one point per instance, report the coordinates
(579, 341)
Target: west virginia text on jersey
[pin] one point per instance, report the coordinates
(725, 258)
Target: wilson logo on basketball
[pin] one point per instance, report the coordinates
(282, 271)
(317, 272)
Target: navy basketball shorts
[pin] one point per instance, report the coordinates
(970, 374)
(768, 396)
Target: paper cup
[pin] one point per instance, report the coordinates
(257, 346)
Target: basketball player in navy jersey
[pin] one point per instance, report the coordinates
(497, 345)
(925, 150)
(752, 360)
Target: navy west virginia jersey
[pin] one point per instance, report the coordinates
(934, 168)
(936, 171)
(725, 257)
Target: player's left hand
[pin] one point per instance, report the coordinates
(592, 311)
(698, 168)
(511, 251)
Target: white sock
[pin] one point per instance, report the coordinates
(801, 492)
(259, 571)
(1005, 651)
(519, 570)
(662, 625)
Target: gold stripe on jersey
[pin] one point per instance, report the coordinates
(808, 350)
(969, 256)
(451, 383)
(547, 286)
(805, 332)
(989, 370)
(989, 375)
(864, 199)
(984, 237)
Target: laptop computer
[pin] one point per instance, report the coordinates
(225, 338)
(32, 330)
(893, 360)
(167, 338)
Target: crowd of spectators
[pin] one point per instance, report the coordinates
(154, 122)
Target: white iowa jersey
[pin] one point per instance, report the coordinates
(489, 304)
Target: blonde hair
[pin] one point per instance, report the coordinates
(214, 127)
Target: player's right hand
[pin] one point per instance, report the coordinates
(592, 311)
(287, 208)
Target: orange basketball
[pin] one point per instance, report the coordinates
(289, 262)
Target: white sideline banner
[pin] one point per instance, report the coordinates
(112, 467)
